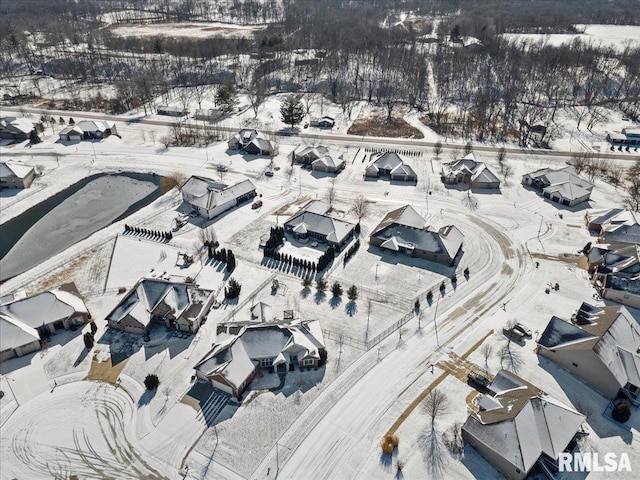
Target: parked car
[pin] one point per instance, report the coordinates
(256, 204)
(477, 380)
(513, 334)
(222, 168)
(523, 328)
(268, 173)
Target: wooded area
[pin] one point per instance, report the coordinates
(388, 52)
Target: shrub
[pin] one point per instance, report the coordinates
(466, 271)
(94, 328)
(621, 412)
(416, 305)
(454, 278)
(442, 286)
(429, 295)
(306, 282)
(233, 289)
(393, 439)
(151, 381)
(387, 448)
(89, 341)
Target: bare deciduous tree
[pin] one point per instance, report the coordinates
(360, 207)
(434, 405)
(486, 351)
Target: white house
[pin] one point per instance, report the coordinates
(211, 198)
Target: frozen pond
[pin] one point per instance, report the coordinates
(70, 216)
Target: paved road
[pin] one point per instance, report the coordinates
(352, 140)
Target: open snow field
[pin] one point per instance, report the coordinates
(611, 36)
(322, 424)
(190, 30)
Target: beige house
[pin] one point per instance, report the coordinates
(562, 186)
(600, 346)
(391, 165)
(518, 427)
(150, 301)
(14, 175)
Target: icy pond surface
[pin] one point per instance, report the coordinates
(74, 215)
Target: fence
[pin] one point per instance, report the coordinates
(396, 326)
(406, 153)
(341, 338)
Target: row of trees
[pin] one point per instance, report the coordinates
(149, 233)
(224, 256)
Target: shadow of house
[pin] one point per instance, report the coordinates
(599, 346)
(27, 321)
(151, 301)
(519, 427)
(243, 349)
(405, 231)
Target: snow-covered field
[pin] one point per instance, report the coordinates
(322, 424)
(190, 30)
(611, 36)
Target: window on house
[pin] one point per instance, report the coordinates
(308, 362)
(266, 362)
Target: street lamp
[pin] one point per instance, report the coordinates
(278, 458)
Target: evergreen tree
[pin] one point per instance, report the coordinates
(352, 293)
(292, 110)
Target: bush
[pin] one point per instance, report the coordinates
(233, 290)
(429, 295)
(466, 271)
(393, 439)
(387, 448)
(442, 286)
(454, 278)
(151, 381)
(621, 412)
(306, 282)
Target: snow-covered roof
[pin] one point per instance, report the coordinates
(208, 194)
(10, 169)
(564, 182)
(404, 227)
(392, 161)
(523, 423)
(611, 332)
(15, 334)
(19, 125)
(45, 308)
(235, 357)
(312, 218)
(478, 171)
(143, 299)
(94, 125)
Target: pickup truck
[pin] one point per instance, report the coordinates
(478, 380)
(513, 334)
